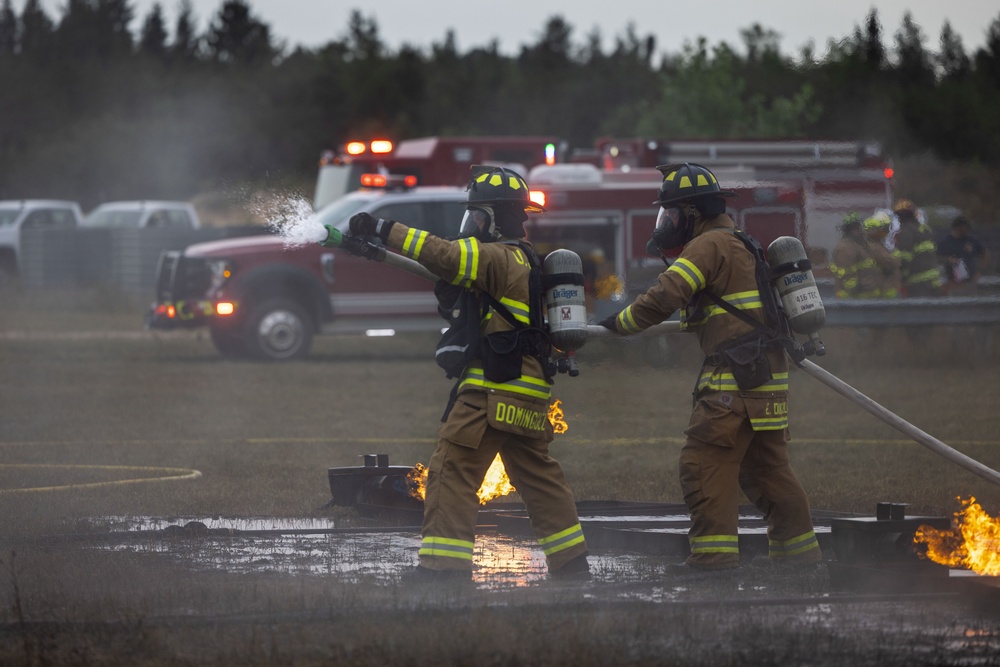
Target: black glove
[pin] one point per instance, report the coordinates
(364, 224)
(609, 323)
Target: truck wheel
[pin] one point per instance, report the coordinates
(228, 342)
(278, 330)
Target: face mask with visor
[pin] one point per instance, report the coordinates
(674, 228)
(478, 223)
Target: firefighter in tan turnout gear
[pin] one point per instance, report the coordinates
(500, 402)
(737, 434)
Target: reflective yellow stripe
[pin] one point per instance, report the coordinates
(447, 547)
(769, 423)
(414, 243)
(929, 275)
(794, 546)
(689, 272)
(468, 262)
(562, 540)
(626, 322)
(724, 381)
(739, 300)
(525, 385)
(715, 544)
(925, 246)
(518, 309)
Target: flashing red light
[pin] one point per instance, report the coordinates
(410, 181)
(355, 147)
(538, 197)
(373, 181)
(171, 311)
(889, 173)
(381, 146)
(225, 308)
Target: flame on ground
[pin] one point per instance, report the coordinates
(557, 418)
(973, 542)
(495, 484)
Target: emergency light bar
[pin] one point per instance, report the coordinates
(376, 147)
(375, 180)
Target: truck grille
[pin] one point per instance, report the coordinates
(180, 277)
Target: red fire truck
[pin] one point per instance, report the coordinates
(607, 217)
(835, 176)
(424, 161)
(263, 299)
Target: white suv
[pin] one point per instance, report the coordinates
(144, 214)
(18, 214)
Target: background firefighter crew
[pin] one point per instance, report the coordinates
(736, 437)
(917, 252)
(855, 269)
(489, 258)
(876, 232)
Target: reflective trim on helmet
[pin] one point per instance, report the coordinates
(691, 273)
(414, 243)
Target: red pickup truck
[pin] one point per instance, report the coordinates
(266, 297)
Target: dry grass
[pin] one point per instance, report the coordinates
(263, 436)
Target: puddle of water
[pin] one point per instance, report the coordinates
(501, 561)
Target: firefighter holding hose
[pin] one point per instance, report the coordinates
(737, 435)
(491, 279)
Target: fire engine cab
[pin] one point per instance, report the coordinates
(607, 217)
(424, 161)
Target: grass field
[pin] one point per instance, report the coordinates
(82, 386)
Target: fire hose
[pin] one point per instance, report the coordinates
(862, 401)
(364, 248)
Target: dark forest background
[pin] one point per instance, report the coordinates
(99, 104)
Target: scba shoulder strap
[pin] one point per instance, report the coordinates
(775, 328)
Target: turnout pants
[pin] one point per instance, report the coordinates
(723, 454)
(456, 472)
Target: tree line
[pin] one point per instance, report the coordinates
(100, 104)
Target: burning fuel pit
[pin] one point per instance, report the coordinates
(880, 553)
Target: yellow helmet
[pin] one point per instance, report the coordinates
(904, 205)
(879, 222)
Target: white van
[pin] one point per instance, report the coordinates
(19, 214)
(144, 215)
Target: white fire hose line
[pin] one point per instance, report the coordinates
(897, 422)
(862, 401)
(827, 378)
(174, 474)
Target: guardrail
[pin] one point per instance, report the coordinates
(981, 310)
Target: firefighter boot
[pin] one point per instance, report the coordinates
(575, 569)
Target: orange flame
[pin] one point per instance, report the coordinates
(417, 481)
(496, 483)
(972, 543)
(556, 418)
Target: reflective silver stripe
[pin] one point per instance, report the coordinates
(414, 243)
(447, 547)
(689, 272)
(525, 385)
(715, 544)
(562, 540)
(796, 545)
(468, 263)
